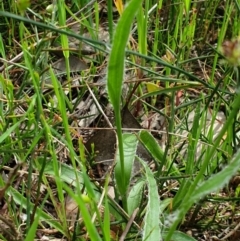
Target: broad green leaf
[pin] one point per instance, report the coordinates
(179, 236)
(67, 173)
(151, 145)
(152, 229)
(130, 143)
(135, 196)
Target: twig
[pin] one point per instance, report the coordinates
(231, 232)
(130, 221)
(99, 107)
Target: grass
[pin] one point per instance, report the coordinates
(173, 65)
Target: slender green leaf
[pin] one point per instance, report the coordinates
(117, 56)
(62, 22)
(12, 128)
(187, 4)
(32, 231)
(156, 152)
(152, 224)
(179, 236)
(213, 184)
(130, 143)
(52, 28)
(9, 131)
(217, 181)
(135, 196)
(93, 233)
(110, 18)
(115, 78)
(67, 173)
(22, 201)
(106, 221)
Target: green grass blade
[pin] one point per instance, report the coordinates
(63, 110)
(213, 184)
(12, 128)
(106, 222)
(64, 38)
(32, 231)
(62, 22)
(92, 231)
(156, 152)
(8, 132)
(43, 216)
(53, 28)
(110, 19)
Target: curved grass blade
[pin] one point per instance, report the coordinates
(166, 91)
(156, 152)
(51, 27)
